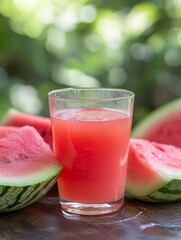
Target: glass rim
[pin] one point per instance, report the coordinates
(51, 96)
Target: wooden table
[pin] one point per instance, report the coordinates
(44, 220)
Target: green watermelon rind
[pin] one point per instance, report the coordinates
(33, 178)
(155, 117)
(140, 192)
(167, 181)
(168, 193)
(16, 197)
(22, 191)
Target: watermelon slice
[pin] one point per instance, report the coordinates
(28, 168)
(163, 125)
(18, 119)
(154, 171)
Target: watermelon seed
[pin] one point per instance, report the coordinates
(22, 156)
(159, 148)
(6, 161)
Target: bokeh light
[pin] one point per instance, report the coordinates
(25, 98)
(49, 44)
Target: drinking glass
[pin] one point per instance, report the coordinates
(91, 131)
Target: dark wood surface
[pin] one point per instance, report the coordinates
(137, 221)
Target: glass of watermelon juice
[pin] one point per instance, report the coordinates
(91, 132)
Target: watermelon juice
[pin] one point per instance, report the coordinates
(92, 145)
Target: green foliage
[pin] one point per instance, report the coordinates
(123, 44)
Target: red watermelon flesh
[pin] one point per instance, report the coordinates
(151, 165)
(41, 124)
(168, 131)
(24, 153)
(163, 125)
(6, 130)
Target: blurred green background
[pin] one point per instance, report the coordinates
(48, 44)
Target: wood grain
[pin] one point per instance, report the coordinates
(136, 221)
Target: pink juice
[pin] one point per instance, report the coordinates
(92, 145)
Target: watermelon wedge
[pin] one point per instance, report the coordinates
(19, 119)
(163, 125)
(28, 168)
(154, 171)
